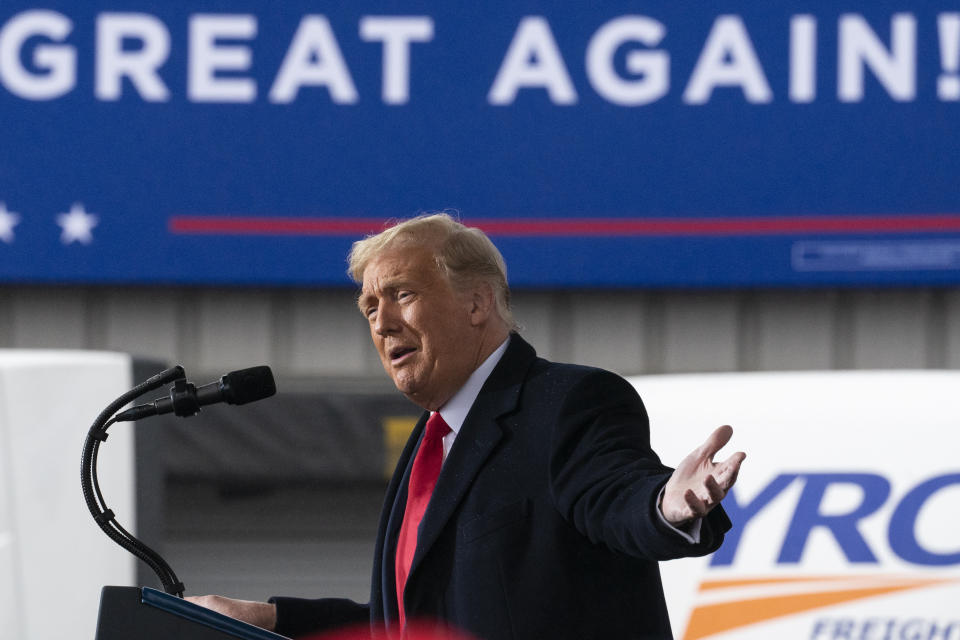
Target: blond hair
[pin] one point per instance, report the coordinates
(465, 254)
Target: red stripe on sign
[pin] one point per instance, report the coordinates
(245, 225)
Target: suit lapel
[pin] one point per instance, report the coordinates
(478, 437)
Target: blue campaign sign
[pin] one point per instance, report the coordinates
(744, 143)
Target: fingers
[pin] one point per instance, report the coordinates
(720, 437)
(709, 494)
(715, 492)
(698, 484)
(701, 502)
(726, 473)
(697, 506)
(692, 503)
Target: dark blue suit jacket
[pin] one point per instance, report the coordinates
(542, 523)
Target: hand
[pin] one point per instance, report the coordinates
(261, 614)
(699, 483)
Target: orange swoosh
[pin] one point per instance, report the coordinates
(709, 619)
(707, 585)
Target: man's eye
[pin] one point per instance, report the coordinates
(404, 295)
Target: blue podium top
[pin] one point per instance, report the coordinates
(204, 616)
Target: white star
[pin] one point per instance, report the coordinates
(8, 220)
(77, 225)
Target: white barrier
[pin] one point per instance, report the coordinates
(53, 557)
(846, 513)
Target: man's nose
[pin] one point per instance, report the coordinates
(388, 320)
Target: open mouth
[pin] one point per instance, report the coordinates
(398, 353)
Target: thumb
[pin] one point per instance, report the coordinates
(716, 441)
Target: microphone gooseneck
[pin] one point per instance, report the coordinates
(237, 387)
(103, 515)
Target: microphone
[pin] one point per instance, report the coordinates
(237, 387)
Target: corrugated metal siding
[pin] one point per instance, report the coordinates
(306, 333)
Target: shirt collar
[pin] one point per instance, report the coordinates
(455, 411)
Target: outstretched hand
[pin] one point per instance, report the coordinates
(699, 483)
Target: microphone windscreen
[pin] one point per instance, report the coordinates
(248, 385)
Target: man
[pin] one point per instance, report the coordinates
(544, 511)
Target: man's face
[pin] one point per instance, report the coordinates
(423, 330)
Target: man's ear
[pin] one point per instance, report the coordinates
(482, 303)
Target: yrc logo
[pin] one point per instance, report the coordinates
(834, 559)
(846, 513)
(843, 527)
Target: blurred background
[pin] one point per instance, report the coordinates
(742, 186)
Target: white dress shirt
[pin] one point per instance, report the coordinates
(455, 411)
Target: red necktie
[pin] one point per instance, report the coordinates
(423, 478)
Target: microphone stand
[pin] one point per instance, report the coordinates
(104, 516)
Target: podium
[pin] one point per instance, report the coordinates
(149, 614)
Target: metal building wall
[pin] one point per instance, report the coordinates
(317, 540)
(318, 333)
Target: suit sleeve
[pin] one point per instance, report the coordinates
(605, 477)
(301, 616)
